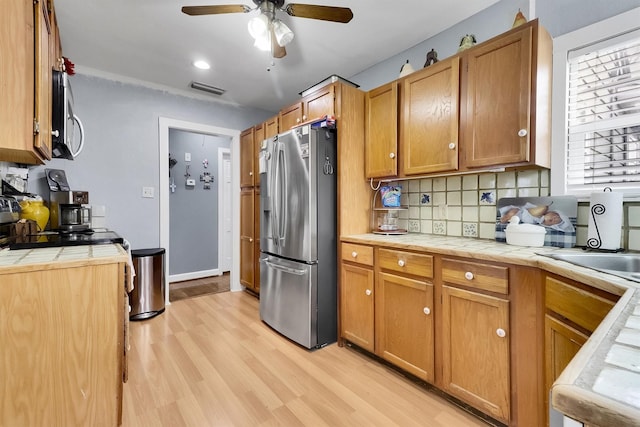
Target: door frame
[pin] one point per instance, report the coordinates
(164, 124)
(223, 243)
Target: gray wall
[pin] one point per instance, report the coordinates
(557, 16)
(121, 154)
(193, 211)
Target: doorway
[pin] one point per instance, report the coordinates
(165, 124)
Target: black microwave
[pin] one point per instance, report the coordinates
(64, 122)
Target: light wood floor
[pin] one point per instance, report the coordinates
(210, 361)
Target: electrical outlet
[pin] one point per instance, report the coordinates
(147, 192)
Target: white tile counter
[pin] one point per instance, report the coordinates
(601, 385)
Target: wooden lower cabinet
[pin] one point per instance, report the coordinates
(356, 305)
(404, 324)
(475, 350)
(62, 354)
(247, 238)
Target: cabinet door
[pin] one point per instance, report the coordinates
(247, 250)
(246, 157)
(290, 116)
(271, 127)
(475, 350)
(43, 81)
(404, 324)
(429, 117)
(496, 119)
(319, 103)
(561, 343)
(381, 131)
(256, 240)
(356, 305)
(258, 137)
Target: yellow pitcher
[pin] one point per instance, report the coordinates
(36, 210)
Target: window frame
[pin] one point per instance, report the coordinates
(590, 35)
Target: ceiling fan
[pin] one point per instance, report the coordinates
(269, 32)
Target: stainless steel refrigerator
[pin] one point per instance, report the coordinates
(298, 239)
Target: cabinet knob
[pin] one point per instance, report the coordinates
(55, 133)
(354, 254)
(304, 117)
(368, 292)
(501, 333)
(427, 311)
(401, 263)
(522, 132)
(250, 173)
(452, 145)
(392, 155)
(250, 240)
(468, 275)
(298, 120)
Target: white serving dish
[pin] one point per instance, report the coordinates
(524, 234)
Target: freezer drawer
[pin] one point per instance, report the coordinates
(288, 298)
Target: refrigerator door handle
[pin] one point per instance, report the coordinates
(283, 268)
(283, 200)
(274, 195)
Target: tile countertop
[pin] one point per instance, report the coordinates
(601, 385)
(23, 260)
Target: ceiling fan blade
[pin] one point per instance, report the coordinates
(325, 13)
(212, 10)
(277, 51)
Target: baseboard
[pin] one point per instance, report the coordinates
(194, 275)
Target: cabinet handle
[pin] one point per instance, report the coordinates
(452, 145)
(468, 275)
(401, 263)
(522, 132)
(427, 311)
(368, 292)
(501, 333)
(354, 254)
(392, 155)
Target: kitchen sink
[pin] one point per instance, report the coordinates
(625, 265)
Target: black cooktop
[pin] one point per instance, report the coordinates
(50, 240)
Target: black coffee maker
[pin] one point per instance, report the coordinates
(69, 210)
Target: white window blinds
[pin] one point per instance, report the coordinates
(603, 115)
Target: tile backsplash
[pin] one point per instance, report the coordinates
(465, 205)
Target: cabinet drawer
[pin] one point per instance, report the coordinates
(357, 253)
(406, 262)
(578, 305)
(486, 277)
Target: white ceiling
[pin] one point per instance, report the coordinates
(153, 41)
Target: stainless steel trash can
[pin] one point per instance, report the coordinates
(147, 297)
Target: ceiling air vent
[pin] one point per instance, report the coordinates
(207, 88)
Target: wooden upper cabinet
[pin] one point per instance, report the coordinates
(271, 127)
(429, 119)
(319, 103)
(247, 157)
(381, 131)
(43, 81)
(506, 90)
(290, 116)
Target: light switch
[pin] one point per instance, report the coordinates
(187, 157)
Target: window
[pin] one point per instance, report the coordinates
(597, 126)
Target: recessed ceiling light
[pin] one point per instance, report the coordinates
(203, 65)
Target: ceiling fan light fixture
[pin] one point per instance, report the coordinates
(283, 34)
(258, 26)
(263, 43)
